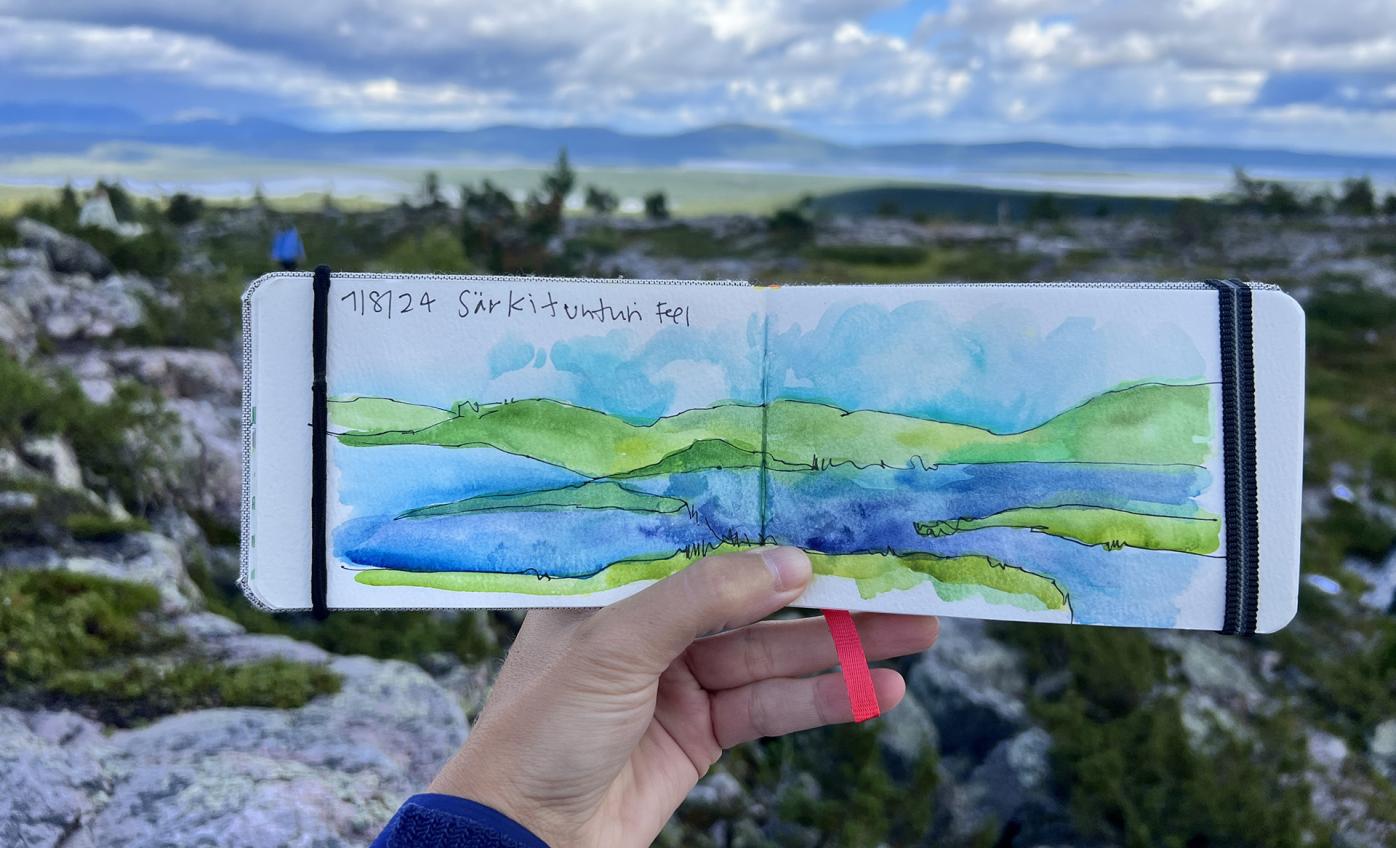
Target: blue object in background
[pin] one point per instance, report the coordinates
(286, 247)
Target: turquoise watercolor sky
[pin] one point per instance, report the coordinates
(1000, 370)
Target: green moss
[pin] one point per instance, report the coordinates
(97, 527)
(53, 621)
(139, 691)
(100, 647)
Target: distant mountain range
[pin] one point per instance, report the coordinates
(65, 129)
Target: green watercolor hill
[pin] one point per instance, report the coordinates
(1110, 528)
(953, 578)
(707, 454)
(1150, 423)
(573, 437)
(597, 494)
(376, 414)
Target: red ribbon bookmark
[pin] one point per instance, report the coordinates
(856, 676)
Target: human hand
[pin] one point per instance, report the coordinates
(601, 721)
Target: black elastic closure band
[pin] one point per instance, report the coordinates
(1239, 457)
(319, 433)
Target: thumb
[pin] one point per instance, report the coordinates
(654, 626)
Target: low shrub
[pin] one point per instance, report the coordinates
(871, 254)
(44, 518)
(207, 313)
(153, 253)
(118, 443)
(680, 241)
(406, 635)
(1127, 766)
(436, 251)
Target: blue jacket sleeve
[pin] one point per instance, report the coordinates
(445, 821)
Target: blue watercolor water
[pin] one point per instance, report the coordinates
(838, 510)
(392, 479)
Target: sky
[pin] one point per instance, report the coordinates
(1273, 73)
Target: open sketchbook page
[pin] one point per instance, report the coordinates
(1003, 452)
(1045, 453)
(548, 442)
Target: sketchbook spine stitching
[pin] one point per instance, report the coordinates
(319, 434)
(1239, 457)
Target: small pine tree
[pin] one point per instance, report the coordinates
(120, 198)
(1358, 197)
(600, 201)
(559, 182)
(1045, 208)
(183, 209)
(657, 206)
(68, 207)
(431, 190)
(1281, 200)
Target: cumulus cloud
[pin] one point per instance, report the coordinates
(1214, 71)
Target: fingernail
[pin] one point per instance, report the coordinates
(790, 567)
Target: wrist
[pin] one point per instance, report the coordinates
(467, 776)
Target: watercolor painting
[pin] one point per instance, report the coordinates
(901, 447)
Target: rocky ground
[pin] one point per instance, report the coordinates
(1009, 735)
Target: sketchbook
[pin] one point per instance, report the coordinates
(1118, 454)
